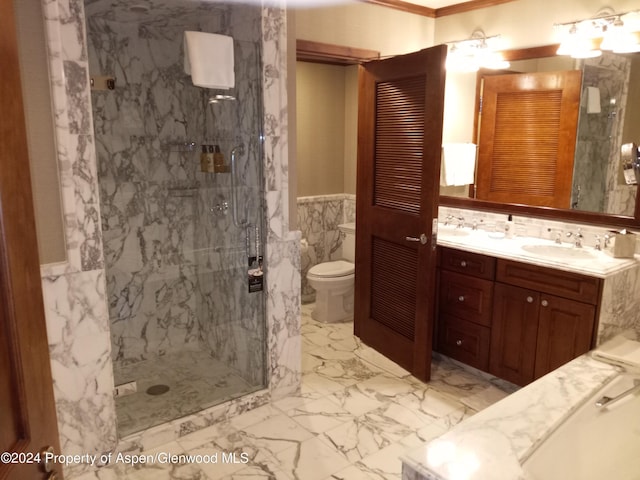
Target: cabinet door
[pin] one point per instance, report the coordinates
(513, 333)
(565, 331)
(466, 297)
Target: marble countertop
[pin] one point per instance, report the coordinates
(597, 263)
(492, 444)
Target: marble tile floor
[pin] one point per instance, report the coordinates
(196, 381)
(357, 412)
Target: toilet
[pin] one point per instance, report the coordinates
(333, 282)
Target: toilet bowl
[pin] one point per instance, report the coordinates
(333, 283)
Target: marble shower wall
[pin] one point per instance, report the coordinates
(176, 264)
(597, 163)
(75, 291)
(318, 220)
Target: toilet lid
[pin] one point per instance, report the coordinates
(338, 268)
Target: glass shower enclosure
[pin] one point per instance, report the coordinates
(187, 330)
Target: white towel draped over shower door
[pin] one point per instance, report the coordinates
(458, 164)
(208, 58)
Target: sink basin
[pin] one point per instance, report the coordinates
(452, 231)
(593, 443)
(559, 252)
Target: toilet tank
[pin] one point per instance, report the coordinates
(349, 241)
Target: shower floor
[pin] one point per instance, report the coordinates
(195, 380)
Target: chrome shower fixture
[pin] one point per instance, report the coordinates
(219, 98)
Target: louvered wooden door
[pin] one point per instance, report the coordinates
(527, 138)
(399, 143)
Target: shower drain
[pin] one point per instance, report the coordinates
(157, 389)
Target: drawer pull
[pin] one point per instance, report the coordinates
(461, 298)
(458, 342)
(463, 264)
(544, 303)
(529, 299)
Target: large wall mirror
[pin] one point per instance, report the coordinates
(605, 114)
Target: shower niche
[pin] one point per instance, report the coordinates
(186, 332)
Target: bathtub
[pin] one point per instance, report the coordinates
(593, 443)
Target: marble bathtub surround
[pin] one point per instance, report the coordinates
(356, 414)
(75, 291)
(494, 443)
(318, 220)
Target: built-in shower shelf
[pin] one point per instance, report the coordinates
(180, 146)
(182, 191)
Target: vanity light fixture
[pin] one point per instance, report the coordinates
(478, 51)
(616, 32)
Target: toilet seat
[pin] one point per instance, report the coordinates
(336, 269)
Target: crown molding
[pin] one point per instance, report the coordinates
(437, 12)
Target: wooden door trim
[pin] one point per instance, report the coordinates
(20, 281)
(317, 52)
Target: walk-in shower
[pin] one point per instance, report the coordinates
(187, 324)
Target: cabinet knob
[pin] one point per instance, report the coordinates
(529, 299)
(458, 342)
(544, 303)
(461, 298)
(463, 263)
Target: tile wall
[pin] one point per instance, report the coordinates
(318, 220)
(75, 291)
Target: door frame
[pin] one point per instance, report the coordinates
(20, 279)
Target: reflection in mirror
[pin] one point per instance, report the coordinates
(610, 85)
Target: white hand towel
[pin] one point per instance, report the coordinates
(208, 58)
(458, 164)
(593, 100)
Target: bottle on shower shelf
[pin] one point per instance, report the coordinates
(218, 161)
(206, 162)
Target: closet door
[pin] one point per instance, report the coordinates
(399, 149)
(526, 147)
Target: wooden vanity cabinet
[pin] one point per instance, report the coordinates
(465, 301)
(539, 328)
(515, 320)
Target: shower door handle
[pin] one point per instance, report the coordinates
(422, 239)
(234, 188)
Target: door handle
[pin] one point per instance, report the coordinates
(422, 239)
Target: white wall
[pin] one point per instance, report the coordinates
(521, 23)
(364, 25)
(320, 128)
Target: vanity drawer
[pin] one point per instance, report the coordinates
(466, 297)
(464, 341)
(556, 282)
(468, 263)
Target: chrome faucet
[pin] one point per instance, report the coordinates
(558, 238)
(577, 238)
(448, 219)
(598, 246)
(460, 222)
(604, 401)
